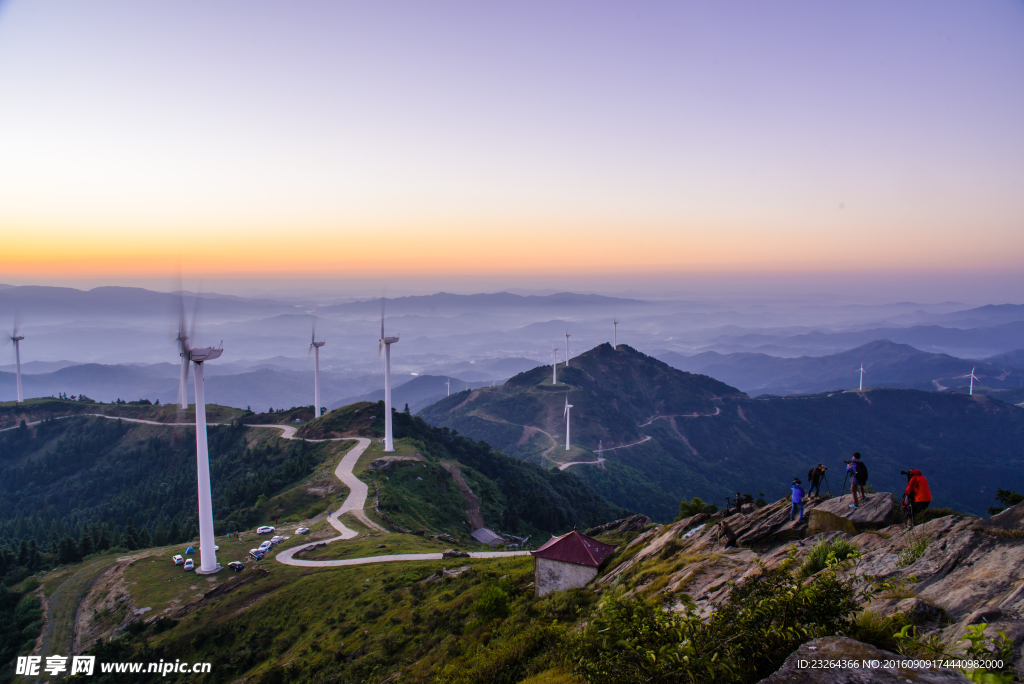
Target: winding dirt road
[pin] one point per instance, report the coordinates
(354, 503)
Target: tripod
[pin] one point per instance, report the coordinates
(825, 478)
(843, 490)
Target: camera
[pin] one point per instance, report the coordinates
(848, 461)
(905, 472)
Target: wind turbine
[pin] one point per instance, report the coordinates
(615, 333)
(861, 371)
(314, 346)
(973, 378)
(207, 549)
(448, 383)
(566, 348)
(182, 340)
(554, 364)
(568, 408)
(16, 339)
(385, 347)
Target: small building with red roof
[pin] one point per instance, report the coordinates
(568, 562)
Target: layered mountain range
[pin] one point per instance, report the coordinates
(647, 435)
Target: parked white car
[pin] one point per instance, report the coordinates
(266, 545)
(257, 554)
(189, 565)
(277, 540)
(302, 530)
(266, 529)
(178, 560)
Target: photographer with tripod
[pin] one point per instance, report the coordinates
(815, 476)
(917, 496)
(858, 473)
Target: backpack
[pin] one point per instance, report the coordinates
(862, 471)
(810, 474)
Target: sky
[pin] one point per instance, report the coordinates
(530, 144)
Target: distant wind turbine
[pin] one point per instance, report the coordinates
(861, 371)
(973, 378)
(385, 347)
(554, 364)
(448, 382)
(207, 548)
(16, 339)
(315, 348)
(615, 333)
(567, 348)
(568, 410)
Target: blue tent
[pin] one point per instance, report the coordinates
(190, 550)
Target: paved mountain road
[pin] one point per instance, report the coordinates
(354, 504)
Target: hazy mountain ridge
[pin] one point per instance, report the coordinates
(730, 442)
(886, 364)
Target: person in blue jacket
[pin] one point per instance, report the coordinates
(798, 500)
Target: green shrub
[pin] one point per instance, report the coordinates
(694, 507)
(878, 630)
(745, 639)
(492, 603)
(835, 550)
(912, 551)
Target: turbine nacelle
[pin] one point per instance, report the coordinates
(200, 354)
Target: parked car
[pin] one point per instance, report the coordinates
(266, 529)
(276, 540)
(302, 530)
(266, 545)
(216, 548)
(257, 554)
(236, 566)
(178, 560)
(189, 565)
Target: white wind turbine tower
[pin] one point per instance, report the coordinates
(385, 347)
(567, 348)
(314, 346)
(554, 364)
(972, 376)
(568, 411)
(615, 333)
(207, 548)
(861, 371)
(448, 384)
(16, 339)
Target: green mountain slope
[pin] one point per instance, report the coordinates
(695, 436)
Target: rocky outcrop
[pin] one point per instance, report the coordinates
(944, 575)
(452, 553)
(876, 512)
(634, 523)
(798, 668)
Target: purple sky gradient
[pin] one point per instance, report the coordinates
(703, 137)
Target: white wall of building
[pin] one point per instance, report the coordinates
(551, 575)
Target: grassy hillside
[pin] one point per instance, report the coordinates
(693, 436)
(79, 476)
(613, 392)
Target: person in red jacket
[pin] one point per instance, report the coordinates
(917, 491)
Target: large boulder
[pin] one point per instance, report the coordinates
(798, 668)
(876, 512)
(1010, 519)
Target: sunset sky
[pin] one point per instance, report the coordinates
(509, 142)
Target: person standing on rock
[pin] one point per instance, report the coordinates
(814, 477)
(858, 478)
(798, 500)
(917, 491)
